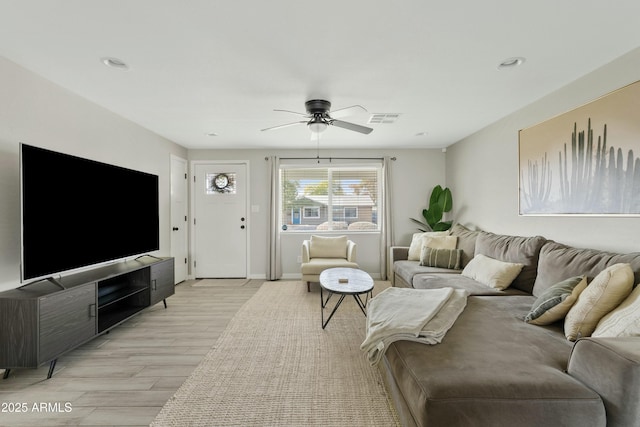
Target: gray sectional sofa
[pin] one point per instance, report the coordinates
(492, 368)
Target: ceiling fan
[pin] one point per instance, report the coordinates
(319, 117)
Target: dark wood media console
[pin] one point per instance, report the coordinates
(43, 320)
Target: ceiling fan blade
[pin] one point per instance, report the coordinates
(284, 126)
(293, 112)
(347, 111)
(351, 126)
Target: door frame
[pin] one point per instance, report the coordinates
(186, 212)
(192, 207)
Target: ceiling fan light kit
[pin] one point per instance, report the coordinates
(319, 117)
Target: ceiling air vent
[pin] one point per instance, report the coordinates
(383, 118)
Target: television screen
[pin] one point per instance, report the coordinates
(78, 212)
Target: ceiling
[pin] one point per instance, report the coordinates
(207, 66)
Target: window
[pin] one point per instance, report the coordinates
(312, 212)
(351, 213)
(330, 198)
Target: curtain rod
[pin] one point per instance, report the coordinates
(331, 158)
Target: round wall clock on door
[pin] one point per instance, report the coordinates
(221, 181)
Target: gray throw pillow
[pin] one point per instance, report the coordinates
(556, 301)
(441, 258)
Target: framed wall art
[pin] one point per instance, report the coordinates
(585, 161)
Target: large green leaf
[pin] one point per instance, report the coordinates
(446, 200)
(440, 201)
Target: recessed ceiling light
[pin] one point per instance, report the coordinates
(511, 62)
(211, 134)
(115, 63)
(421, 134)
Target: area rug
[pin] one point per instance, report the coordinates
(213, 283)
(274, 365)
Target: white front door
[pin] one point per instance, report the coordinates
(179, 247)
(220, 220)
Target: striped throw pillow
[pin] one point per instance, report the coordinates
(441, 258)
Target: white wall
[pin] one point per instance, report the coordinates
(38, 112)
(414, 174)
(482, 170)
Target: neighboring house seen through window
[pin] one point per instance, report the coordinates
(330, 198)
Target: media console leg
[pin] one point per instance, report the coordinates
(6, 374)
(52, 366)
(165, 303)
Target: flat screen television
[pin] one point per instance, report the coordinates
(78, 212)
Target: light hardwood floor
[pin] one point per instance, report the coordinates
(126, 376)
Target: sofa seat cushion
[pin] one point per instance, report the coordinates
(317, 265)
(493, 369)
(408, 269)
(438, 280)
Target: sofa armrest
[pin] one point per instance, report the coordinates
(305, 250)
(396, 253)
(610, 367)
(351, 251)
(399, 253)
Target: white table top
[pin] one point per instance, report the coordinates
(358, 281)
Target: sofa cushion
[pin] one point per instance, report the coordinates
(607, 290)
(515, 249)
(466, 241)
(616, 381)
(458, 281)
(441, 258)
(492, 272)
(328, 247)
(555, 302)
(623, 321)
(416, 243)
(439, 242)
(558, 261)
(407, 270)
(493, 369)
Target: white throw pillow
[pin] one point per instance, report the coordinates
(416, 243)
(439, 242)
(623, 321)
(605, 292)
(492, 272)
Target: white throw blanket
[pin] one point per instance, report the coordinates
(421, 315)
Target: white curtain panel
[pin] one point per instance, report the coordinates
(387, 239)
(274, 269)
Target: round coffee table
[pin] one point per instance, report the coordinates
(343, 282)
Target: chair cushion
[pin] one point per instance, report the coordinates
(328, 247)
(317, 265)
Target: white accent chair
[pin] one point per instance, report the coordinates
(320, 253)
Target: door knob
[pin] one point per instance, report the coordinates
(175, 229)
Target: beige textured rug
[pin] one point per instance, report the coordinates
(274, 365)
(212, 283)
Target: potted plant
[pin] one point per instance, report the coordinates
(440, 202)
